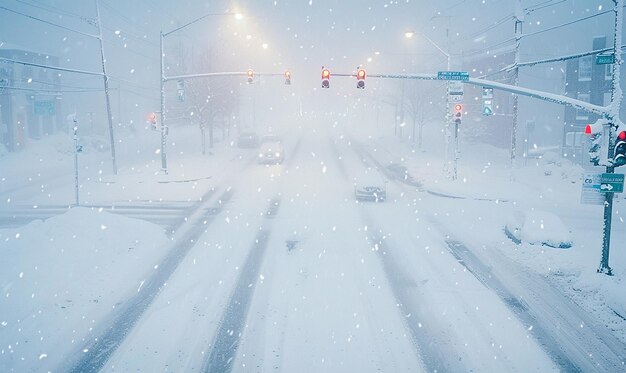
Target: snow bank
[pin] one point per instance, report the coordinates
(61, 276)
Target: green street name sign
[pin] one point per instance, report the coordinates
(452, 75)
(44, 107)
(605, 59)
(612, 183)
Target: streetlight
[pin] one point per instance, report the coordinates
(238, 16)
(409, 34)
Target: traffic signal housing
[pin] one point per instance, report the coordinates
(250, 74)
(619, 158)
(287, 77)
(458, 113)
(325, 78)
(360, 79)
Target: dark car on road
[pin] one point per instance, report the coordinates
(248, 140)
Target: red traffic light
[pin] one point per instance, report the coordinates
(152, 118)
(287, 77)
(458, 107)
(325, 74)
(588, 129)
(622, 136)
(360, 74)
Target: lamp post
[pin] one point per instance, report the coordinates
(409, 34)
(162, 35)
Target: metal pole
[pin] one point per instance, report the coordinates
(456, 151)
(106, 91)
(163, 127)
(401, 115)
(519, 18)
(76, 160)
(616, 97)
(448, 116)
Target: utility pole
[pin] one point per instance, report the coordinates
(106, 90)
(76, 151)
(163, 128)
(616, 98)
(519, 19)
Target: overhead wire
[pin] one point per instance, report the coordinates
(48, 22)
(566, 24)
(52, 9)
(543, 5)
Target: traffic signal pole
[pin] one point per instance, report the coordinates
(106, 90)
(163, 128)
(519, 18)
(616, 98)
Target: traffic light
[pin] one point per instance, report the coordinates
(458, 113)
(595, 131)
(487, 107)
(325, 78)
(250, 75)
(619, 158)
(287, 77)
(360, 79)
(152, 118)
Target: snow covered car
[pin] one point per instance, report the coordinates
(370, 188)
(540, 228)
(271, 152)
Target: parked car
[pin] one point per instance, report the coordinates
(271, 152)
(370, 188)
(248, 140)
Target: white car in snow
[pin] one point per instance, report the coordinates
(271, 153)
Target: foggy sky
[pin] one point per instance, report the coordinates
(301, 36)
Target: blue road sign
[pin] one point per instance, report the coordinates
(452, 75)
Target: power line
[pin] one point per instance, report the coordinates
(48, 22)
(50, 67)
(484, 30)
(487, 49)
(13, 88)
(129, 22)
(540, 6)
(52, 83)
(58, 11)
(566, 24)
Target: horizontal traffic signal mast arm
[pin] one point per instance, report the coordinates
(604, 111)
(545, 96)
(233, 73)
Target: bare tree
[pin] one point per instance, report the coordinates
(418, 106)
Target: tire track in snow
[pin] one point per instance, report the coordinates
(95, 354)
(569, 348)
(434, 356)
(573, 340)
(223, 349)
(403, 288)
